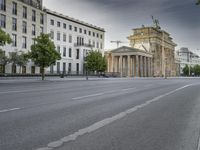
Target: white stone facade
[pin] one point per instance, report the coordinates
(24, 20)
(186, 57)
(73, 39)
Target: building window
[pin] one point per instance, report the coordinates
(70, 52)
(33, 29)
(101, 46)
(93, 34)
(64, 68)
(24, 12)
(3, 5)
(85, 31)
(69, 68)
(97, 44)
(89, 32)
(52, 35)
(3, 21)
(33, 15)
(58, 49)
(64, 51)
(24, 42)
(58, 24)
(77, 53)
(101, 36)
(52, 22)
(14, 40)
(70, 27)
(93, 43)
(75, 29)
(64, 37)
(70, 38)
(24, 27)
(77, 68)
(32, 69)
(41, 30)
(80, 30)
(14, 24)
(58, 67)
(58, 36)
(14, 8)
(41, 18)
(64, 25)
(97, 35)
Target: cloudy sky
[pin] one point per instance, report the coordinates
(181, 18)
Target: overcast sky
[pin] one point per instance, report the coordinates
(181, 18)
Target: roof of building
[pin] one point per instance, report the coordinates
(128, 49)
(48, 11)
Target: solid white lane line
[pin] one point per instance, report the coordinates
(8, 110)
(128, 89)
(104, 122)
(86, 96)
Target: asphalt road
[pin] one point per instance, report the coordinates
(106, 114)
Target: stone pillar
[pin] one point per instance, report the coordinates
(112, 64)
(145, 66)
(115, 63)
(141, 66)
(137, 65)
(120, 65)
(129, 66)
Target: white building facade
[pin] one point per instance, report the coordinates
(186, 57)
(23, 20)
(73, 39)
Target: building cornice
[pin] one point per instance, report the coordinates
(73, 20)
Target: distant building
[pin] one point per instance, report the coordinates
(186, 57)
(73, 39)
(160, 44)
(23, 20)
(129, 62)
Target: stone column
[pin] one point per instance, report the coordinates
(129, 66)
(137, 65)
(145, 66)
(112, 64)
(120, 65)
(141, 66)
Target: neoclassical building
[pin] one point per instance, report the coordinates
(160, 44)
(129, 62)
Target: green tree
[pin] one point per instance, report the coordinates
(13, 58)
(186, 70)
(96, 62)
(3, 60)
(44, 53)
(22, 60)
(197, 70)
(4, 38)
(198, 2)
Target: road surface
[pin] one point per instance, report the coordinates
(106, 114)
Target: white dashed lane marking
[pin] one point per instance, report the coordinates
(8, 110)
(104, 122)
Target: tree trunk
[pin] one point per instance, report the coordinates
(43, 73)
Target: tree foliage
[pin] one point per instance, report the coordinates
(198, 2)
(96, 62)
(4, 38)
(186, 70)
(44, 53)
(3, 58)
